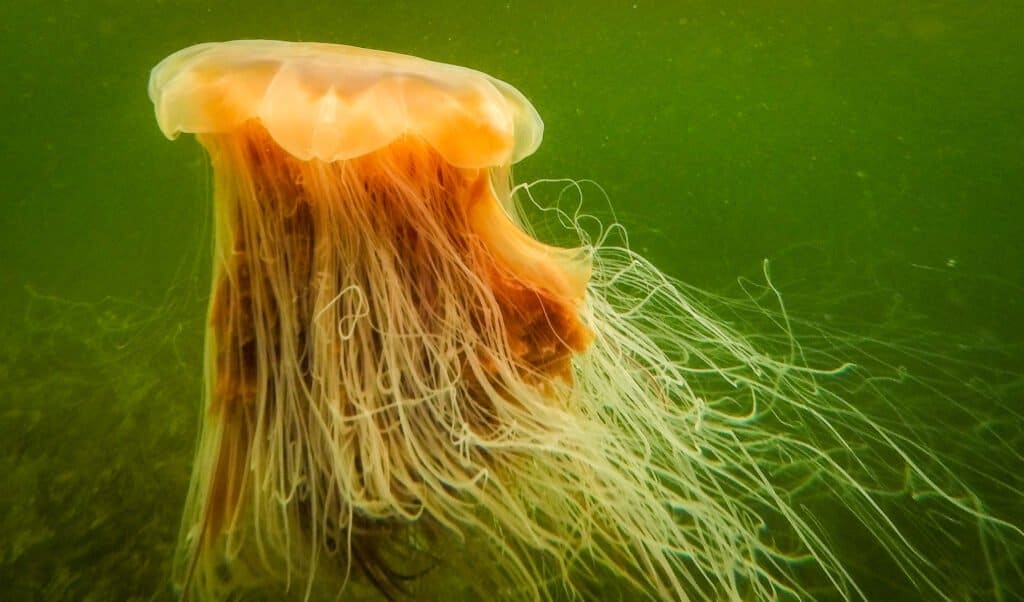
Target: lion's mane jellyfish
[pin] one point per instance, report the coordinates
(393, 363)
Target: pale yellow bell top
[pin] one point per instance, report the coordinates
(334, 102)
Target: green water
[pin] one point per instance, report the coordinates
(873, 151)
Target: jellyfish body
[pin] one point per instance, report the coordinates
(391, 359)
(377, 317)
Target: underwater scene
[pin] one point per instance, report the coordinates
(512, 301)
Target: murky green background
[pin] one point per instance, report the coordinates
(874, 151)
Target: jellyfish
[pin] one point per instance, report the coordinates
(394, 364)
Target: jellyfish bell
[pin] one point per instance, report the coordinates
(334, 102)
(393, 365)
